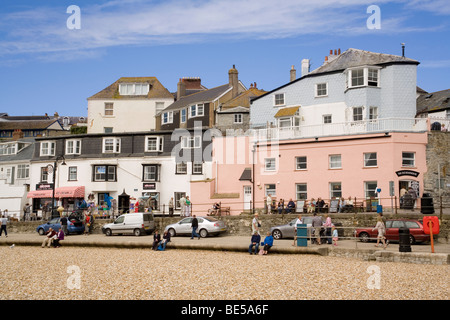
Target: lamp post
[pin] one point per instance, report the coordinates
(53, 168)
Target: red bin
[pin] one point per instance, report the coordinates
(434, 224)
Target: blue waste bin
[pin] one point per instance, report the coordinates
(302, 235)
(379, 208)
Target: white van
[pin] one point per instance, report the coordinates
(131, 223)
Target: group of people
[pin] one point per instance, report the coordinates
(158, 243)
(318, 225)
(53, 237)
(185, 206)
(255, 241)
(287, 208)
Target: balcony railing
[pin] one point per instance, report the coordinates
(347, 128)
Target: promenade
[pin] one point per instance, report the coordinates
(420, 253)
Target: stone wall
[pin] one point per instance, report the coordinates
(438, 150)
(241, 225)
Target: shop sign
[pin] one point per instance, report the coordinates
(149, 186)
(44, 186)
(407, 173)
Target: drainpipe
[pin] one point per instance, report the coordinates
(253, 178)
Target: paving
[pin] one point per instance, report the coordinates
(348, 248)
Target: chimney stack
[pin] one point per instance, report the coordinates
(293, 74)
(181, 89)
(233, 81)
(17, 134)
(305, 67)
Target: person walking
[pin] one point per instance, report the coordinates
(381, 232)
(171, 207)
(254, 242)
(4, 221)
(317, 225)
(328, 226)
(256, 224)
(64, 225)
(194, 226)
(297, 222)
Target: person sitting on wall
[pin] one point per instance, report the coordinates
(348, 204)
(320, 205)
(290, 206)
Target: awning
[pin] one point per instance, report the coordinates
(287, 112)
(246, 175)
(61, 192)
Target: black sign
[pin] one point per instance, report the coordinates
(44, 186)
(149, 186)
(407, 173)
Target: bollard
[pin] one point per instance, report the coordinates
(404, 240)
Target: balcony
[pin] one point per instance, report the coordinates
(342, 129)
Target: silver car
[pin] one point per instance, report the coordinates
(206, 225)
(288, 230)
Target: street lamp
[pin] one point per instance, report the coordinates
(53, 168)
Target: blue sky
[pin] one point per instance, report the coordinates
(46, 67)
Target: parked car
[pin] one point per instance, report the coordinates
(287, 231)
(206, 226)
(392, 226)
(73, 226)
(131, 223)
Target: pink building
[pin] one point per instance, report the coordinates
(300, 169)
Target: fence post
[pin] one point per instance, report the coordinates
(395, 204)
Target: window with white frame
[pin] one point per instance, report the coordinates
(73, 174)
(111, 145)
(300, 163)
(370, 189)
(167, 117)
(109, 109)
(73, 146)
(191, 142)
(23, 171)
(279, 99)
(238, 118)
(321, 89)
(335, 190)
(181, 168)
(270, 164)
(357, 77)
(104, 173)
(370, 159)
(327, 118)
(196, 110)
(301, 191)
(151, 172)
(154, 144)
(372, 77)
(48, 148)
(408, 159)
(335, 161)
(44, 174)
(197, 167)
(373, 113)
(270, 189)
(133, 89)
(183, 115)
(8, 148)
(357, 113)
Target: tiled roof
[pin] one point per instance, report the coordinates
(28, 125)
(434, 101)
(157, 90)
(286, 112)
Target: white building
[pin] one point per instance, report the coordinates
(128, 105)
(349, 88)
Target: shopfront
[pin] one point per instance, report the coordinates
(67, 197)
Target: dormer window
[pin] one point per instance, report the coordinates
(133, 89)
(363, 77)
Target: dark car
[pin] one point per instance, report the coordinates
(392, 226)
(73, 226)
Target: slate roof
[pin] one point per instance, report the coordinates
(28, 125)
(433, 102)
(25, 154)
(157, 90)
(199, 97)
(349, 59)
(356, 57)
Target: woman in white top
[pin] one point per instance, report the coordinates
(381, 232)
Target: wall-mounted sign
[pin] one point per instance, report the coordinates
(44, 186)
(149, 186)
(407, 173)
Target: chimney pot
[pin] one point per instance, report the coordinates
(331, 51)
(293, 73)
(339, 51)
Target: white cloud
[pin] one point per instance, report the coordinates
(138, 22)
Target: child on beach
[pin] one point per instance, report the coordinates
(335, 236)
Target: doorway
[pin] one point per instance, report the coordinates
(247, 198)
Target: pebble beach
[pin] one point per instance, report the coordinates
(77, 273)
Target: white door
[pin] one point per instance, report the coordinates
(247, 198)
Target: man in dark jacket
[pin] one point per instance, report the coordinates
(256, 239)
(156, 240)
(194, 226)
